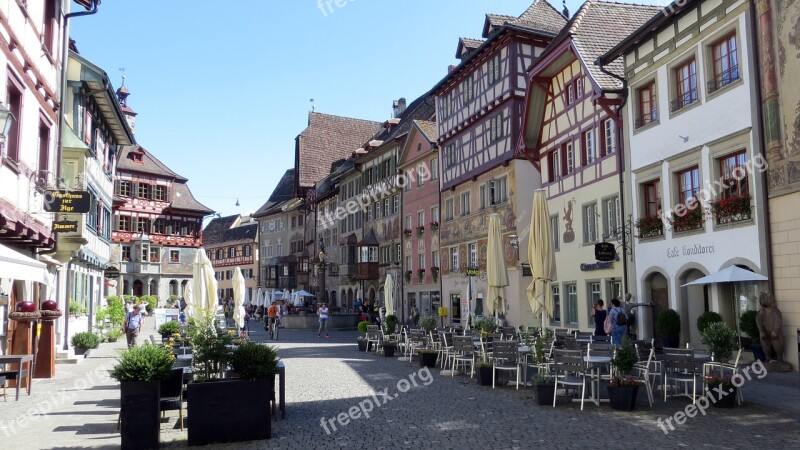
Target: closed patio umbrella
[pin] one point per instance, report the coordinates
(188, 300)
(541, 258)
(496, 276)
(204, 285)
(238, 298)
(388, 288)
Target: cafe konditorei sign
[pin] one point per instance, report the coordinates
(605, 252)
(74, 202)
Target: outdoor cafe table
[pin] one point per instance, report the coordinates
(595, 362)
(19, 360)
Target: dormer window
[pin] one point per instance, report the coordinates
(136, 157)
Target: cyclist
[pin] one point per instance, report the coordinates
(272, 321)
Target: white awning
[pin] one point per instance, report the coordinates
(17, 266)
(728, 275)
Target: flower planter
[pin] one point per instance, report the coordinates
(388, 350)
(727, 401)
(623, 398)
(362, 345)
(484, 376)
(544, 393)
(80, 351)
(140, 424)
(230, 411)
(428, 359)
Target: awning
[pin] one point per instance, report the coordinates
(728, 275)
(17, 266)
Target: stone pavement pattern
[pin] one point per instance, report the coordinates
(326, 377)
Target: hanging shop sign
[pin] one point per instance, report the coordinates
(74, 202)
(65, 226)
(605, 252)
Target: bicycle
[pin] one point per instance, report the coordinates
(272, 327)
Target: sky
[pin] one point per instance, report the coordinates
(223, 88)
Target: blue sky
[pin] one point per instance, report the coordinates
(222, 91)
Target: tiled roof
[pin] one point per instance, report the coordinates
(541, 16)
(282, 193)
(429, 128)
(223, 230)
(466, 45)
(327, 139)
(600, 25)
(150, 164)
(185, 200)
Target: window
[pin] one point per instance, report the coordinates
(144, 254)
(725, 61)
(220, 253)
(421, 218)
(496, 128)
(733, 175)
(294, 222)
(421, 259)
(435, 258)
(143, 191)
(611, 216)
(369, 213)
(494, 70)
(434, 169)
(14, 96)
(377, 208)
(590, 223)
(570, 156)
(648, 108)
(44, 146)
(409, 265)
(248, 250)
(448, 209)
(396, 204)
(473, 254)
(155, 254)
(554, 231)
(467, 90)
(685, 85)
(125, 188)
(556, 304)
(231, 252)
(610, 137)
(228, 274)
(159, 226)
(589, 152)
(126, 253)
(450, 156)
(652, 198)
(688, 184)
(570, 94)
(594, 295)
(454, 265)
(49, 26)
(386, 210)
(279, 249)
(465, 204)
(408, 222)
(498, 191)
(553, 166)
(142, 225)
(300, 221)
(399, 250)
(482, 196)
(572, 304)
(160, 193)
(435, 214)
(174, 256)
(91, 217)
(125, 223)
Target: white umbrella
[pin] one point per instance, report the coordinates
(247, 296)
(388, 288)
(238, 298)
(497, 278)
(728, 275)
(187, 298)
(285, 295)
(541, 258)
(304, 294)
(204, 285)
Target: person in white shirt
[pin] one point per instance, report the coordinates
(323, 320)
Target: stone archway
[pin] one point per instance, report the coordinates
(692, 302)
(138, 288)
(656, 287)
(173, 287)
(332, 299)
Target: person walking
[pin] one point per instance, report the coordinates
(323, 320)
(133, 324)
(599, 313)
(619, 322)
(414, 316)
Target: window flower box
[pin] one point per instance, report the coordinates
(434, 225)
(650, 227)
(421, 274)
(692, 220)
(420, 230)
(435, 273)
(408, 276)
(733, 209)
(407, 232)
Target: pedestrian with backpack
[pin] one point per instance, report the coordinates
(619, 322)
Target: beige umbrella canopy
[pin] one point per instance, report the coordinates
(238, 298)
(496, 276)
(541, 257)
(204, 285)
(388, 289)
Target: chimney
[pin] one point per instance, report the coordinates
(398, 107)
(451, 68)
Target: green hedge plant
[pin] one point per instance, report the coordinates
(144, 363)
(706, 319)
(669, 323)
(253, 361)
(748, 325)
(85, 340)
(169, 328)
(720, 340)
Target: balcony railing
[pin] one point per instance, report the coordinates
(684, 100)
(236, 261)
(647, 118)
(723, 79)
(367, 271)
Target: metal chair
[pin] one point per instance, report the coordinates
(601, 339)
(373, 336)
(648, 369)
(463, 354)
(505, 356)
(569, 370)
(446, 347)
(724, 367)
(680, 367)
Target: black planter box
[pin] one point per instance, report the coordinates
(428, 359)
(484, 376)
(670, 341)
(230, 411)
(80, 351)
(544, 393)
(362, 345)
(623, 398)
(140, 424)
(727, 401)
(388, 350)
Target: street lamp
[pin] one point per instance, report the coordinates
(6, 121)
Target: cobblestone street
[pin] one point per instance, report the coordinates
(327, 377)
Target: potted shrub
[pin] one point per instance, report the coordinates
(362, 340)
(720, 340)
(391, 323)
(691, 220)
(669, 326)
(706, 319)
(428, 356)
(407, 232)
(748, 325)
(715, 382)
(139, 371)
(389, 348)
(485, 326)
(167, 329)
(237, 409)
(84, 341)
(428, 323)
(732, 209)
(623, 388)
(420, 230)
(484, 371)
(545, 388)
(434, 225)
(113, 335)
(76, 309)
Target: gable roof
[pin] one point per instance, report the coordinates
(183, 199)
(466, 45)
(150, 164)
(428, 128)
(283, 192)
(228, 230)
(428, 132)
(422, 108)
(326, 139)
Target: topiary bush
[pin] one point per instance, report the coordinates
(391, 323)
(720, 341)
(706, 319)
(428, 323)
(669, 323)
(748, 325)
(362, 326)
(253, 361)
(116, 311)
(85, 340)
(145, 363)
(169, 328)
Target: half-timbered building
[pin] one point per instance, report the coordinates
(478, 112)
(571, 134)
(277, 239)
(232, 242)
